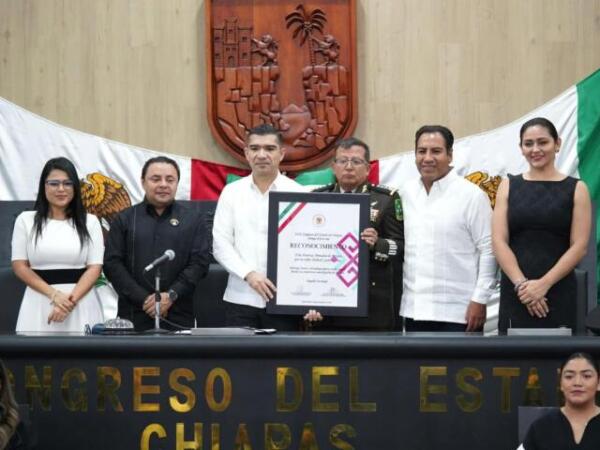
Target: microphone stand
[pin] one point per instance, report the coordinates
(157, 329)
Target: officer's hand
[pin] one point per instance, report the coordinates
(261, 284)
(313, 316)
(370, 236)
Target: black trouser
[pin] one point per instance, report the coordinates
(431, 325)
(249, 316)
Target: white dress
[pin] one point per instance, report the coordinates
(57, 248)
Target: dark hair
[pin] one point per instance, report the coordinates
(581, 355)
(542, 122)
(351, 141)
(264, 130)
(163, 160)
(75, 210)
(9, 417)
(444, 131)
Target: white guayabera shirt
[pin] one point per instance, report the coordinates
(448, 259)
(240, 234)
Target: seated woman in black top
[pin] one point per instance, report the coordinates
(577, 424)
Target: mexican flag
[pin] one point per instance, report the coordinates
(27, 141)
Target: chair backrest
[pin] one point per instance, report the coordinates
(8, 214)
(528, 415)
(589, 264)
(12, 294)
(209, 307)
(581, 301)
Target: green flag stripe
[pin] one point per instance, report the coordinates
(588, 143)
(231, 177)
(316, 177)
(286, 210)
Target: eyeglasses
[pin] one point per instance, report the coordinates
(55, 184)
(354, 162)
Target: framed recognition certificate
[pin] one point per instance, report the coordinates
(315, 255)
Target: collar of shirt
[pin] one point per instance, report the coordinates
(274, 186)
(151, 210)
(443, 183)
(361, 188)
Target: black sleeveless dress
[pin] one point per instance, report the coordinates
(539, 223)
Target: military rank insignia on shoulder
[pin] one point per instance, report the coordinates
(326, 188)
(398, 212)
(398, 209)
(383, 189)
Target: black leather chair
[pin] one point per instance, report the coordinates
(209, 307)
(528, 415)
(12, 288)
(12, 294)
(8, 213)
(581, 302)
(592, 321)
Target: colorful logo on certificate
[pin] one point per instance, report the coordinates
(319, 220)
(348, 273)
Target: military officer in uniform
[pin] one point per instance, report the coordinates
(385, 238)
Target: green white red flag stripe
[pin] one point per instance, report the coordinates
(288, 214)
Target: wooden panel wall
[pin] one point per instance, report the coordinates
(133, 70)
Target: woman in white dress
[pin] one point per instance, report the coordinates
(57, 252)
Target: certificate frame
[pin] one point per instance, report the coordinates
(347, 278)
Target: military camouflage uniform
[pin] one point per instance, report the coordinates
(385, 265)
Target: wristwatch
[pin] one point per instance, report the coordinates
(172, 295)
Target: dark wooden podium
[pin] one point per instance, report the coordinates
(287, 391)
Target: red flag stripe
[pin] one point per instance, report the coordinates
(374, 173)
(208, 179)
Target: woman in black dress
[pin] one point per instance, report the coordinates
(540, 232)
(577, 424)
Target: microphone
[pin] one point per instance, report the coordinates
(169, 255)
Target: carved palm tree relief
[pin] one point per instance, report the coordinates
(305, 25)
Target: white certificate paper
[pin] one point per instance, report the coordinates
(318, 247)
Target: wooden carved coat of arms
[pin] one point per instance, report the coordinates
(290, 64)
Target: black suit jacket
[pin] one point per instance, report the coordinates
(137, 236)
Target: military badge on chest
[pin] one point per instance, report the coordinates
(374, 212)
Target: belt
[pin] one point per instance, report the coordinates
(60, 276)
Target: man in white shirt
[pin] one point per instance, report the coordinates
(240, 233)
(449, 267)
